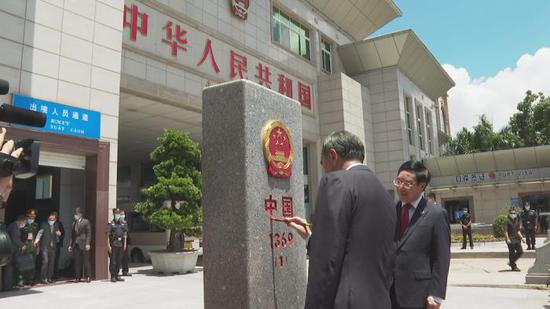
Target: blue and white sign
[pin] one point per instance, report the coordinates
(63, 119)
(515, 202)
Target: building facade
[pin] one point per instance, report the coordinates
(142, 65)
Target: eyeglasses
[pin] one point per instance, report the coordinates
(406, 184)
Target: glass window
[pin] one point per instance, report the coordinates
(326, 58)
(409, 119)
(419, 125)
(290, 34)
(43, 187)
(429, 131)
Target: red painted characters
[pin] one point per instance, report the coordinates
(240, 8)
(278, 150)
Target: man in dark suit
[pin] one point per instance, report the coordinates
(352, 249)
(81, 245)
(12, 276)
(47, 239)
(423, 238)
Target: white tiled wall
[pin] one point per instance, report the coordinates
(66, 51)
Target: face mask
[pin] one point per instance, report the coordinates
(51, 222)
(30, 221)
(527, 208)
(117, 217)
(465, 211)
(513, 216)
(21, 225)
(122, 217)
(76, 217)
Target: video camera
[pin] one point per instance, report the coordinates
(27, 164)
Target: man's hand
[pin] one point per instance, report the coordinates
(110, 250)
(431, 303)
(6, 183)
(88, 247)
(58, 233)
(508, 241)
(70, 249)
(300, 225)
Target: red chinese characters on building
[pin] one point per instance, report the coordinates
(176, 39)
(263, 75)
(304, 95)
(137, 21)
(270, 205)
(288, 207)
(239, 65)
(285, 85)
(209, 53)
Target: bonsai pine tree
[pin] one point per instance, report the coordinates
(173, 202)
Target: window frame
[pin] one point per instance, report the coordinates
(409, 119)
(419, 119)
(429, 129)
(292, 23)
(323, 50)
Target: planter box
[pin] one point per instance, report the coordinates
(174, 262)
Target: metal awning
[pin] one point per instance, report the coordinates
(501, 160)
(404, 50)
(358, 18)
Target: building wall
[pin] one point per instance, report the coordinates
(489, 202)
(67, 52)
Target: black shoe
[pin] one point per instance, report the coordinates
(463, 248)
(113, 279)
(126, 275)
(472, 248)
(45, 281)
(119, 279)
(77, 280)
(515, 268)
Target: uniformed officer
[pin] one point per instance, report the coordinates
(116, 244)
(529, 221)
(514, 238)
(28, 236)
(125, 255)
(466, 222)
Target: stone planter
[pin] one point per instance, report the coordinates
(174, 262)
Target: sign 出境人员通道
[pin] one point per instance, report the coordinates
(63, 119)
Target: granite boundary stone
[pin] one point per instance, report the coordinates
(241, 270)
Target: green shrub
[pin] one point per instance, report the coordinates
(500, 224)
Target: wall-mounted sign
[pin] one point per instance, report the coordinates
(496, 176)
(240, 8)
(63, 119)
(277, 147)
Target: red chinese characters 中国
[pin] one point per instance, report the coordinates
(137, 22)
(176, 39)
(209, 53)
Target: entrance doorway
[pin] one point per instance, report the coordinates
(455, 206)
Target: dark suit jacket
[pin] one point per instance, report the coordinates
(351, 249)
(423, 256)
(49, 239)
(82, 236)
(15, 236)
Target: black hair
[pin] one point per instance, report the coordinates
(21, 218)
(418, 169)
(79, 211)
(431, 195)
(29, 211)
(347, 145)
(54, 213)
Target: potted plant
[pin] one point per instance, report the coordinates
(173, 202)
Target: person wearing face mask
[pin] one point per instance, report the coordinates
(116, 244)
(47, 240)
(529, 221)
(466, 223)
(81, 239)
(125, 254)
(11, 275)
(29, 234)
(514, 238)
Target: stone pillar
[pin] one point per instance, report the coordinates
(539, 273)
(250, 260)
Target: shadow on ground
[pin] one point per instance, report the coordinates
(19, 292)
(151, 273)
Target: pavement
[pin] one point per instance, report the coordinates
(473, 283)
(494, 249)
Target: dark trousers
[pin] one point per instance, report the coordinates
(530, 237)
(467, 232)
(48, 261)
(125, 261)
(56, 262)
(115, 260)
(81, 263)
(8, 275)
(514, 252)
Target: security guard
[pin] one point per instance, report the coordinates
(529, 221)
(466, 222)
(116, 244)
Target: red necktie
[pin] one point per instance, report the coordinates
(404, 220)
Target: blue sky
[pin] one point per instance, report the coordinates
(483, 36)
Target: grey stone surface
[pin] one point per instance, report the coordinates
(540, 272)
(242, 271)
